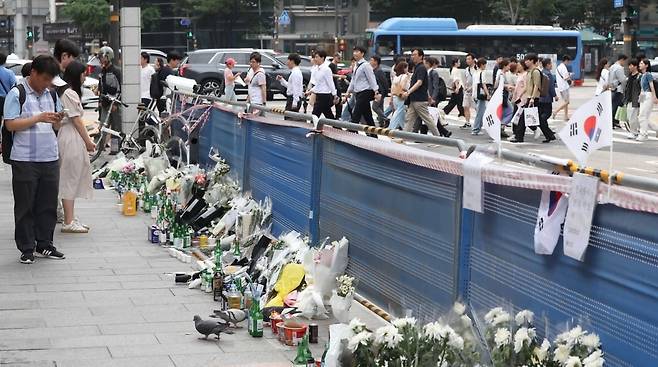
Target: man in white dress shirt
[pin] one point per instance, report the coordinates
(294, 85)
(364, 86)
(324, 88)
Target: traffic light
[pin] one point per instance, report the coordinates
(610, 37)
(29, 35)
(190, 35)
(37, 34)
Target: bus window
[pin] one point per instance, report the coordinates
(427, 43)
(386, 45)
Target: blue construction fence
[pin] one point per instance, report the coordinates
(412, 246)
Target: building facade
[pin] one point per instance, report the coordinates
(16, 18)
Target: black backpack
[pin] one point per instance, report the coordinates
(443, 90)
(8, 136)
(156, 88)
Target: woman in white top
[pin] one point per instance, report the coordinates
(400, 85)
(602, 73)
(457, 88)
(74, 144)
(229, 80)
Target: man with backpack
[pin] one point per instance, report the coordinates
(533, 81)
(32, 114)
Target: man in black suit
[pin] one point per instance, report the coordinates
(384, 88)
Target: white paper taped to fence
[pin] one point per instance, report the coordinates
(578, 224)
(550, 216)
(473, 185)
(531, 116)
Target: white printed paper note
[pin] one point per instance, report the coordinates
(473, 198)
(577, 226)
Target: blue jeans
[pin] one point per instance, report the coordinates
(481, 107)
(398, 116)
(229, 93)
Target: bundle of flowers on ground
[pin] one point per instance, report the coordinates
(406, 343)
(514, 342)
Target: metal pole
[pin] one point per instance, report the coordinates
(30, 45)
(626, 33)
(260, 25)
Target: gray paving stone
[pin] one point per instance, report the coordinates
(16, 289)
(103, 340)
(163, 361)
(78, 287)
(24, 344)
(22, 323)
(154, 328)
(200, 346)
(254, 359)
(147, 284)
(12, 304)
(18, 356)
(53, 332)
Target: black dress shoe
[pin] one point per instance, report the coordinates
(515, 141)
(447, 134)
(548, 140)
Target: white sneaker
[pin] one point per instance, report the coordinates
(537, 132)
(74, 227)
(642, 137)
(632, 136)
(80, 223)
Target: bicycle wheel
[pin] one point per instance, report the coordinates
(100, 141)
(146, 133)
(176, 152)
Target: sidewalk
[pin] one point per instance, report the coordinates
(111, 303)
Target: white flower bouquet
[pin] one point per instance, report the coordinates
(342, 297)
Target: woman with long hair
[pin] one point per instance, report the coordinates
(74, 144)
(457, 96)
(647, 99)
(399, 86)
(602, 72)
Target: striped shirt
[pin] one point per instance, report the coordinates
(37, 143)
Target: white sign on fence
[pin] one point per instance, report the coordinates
(578, 224)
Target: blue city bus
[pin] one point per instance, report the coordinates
(395, 36)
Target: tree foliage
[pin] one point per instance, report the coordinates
(92, 16)
(150, 17)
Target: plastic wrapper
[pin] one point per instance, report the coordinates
(341, 307)
(154, 165)
(340, 334)
(310, 304)
(328, 263)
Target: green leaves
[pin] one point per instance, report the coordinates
(92, 16)
(150, 17)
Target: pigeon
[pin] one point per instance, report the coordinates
(208, 327)
(233, 315)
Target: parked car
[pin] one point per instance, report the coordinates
(206, 67)
(88, 96)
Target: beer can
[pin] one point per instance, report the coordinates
(154, 234)
(313, 333)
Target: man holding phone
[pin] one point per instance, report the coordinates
(34, 160)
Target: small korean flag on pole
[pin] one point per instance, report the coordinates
(494, 114)
(590, 127)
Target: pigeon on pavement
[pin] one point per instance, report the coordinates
(233, 315)
(208, 327)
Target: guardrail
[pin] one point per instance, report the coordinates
(535, 160)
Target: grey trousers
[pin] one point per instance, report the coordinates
(419, 109)
(35, 186)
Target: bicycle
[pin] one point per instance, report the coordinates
(131, 144)
(181, 128)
